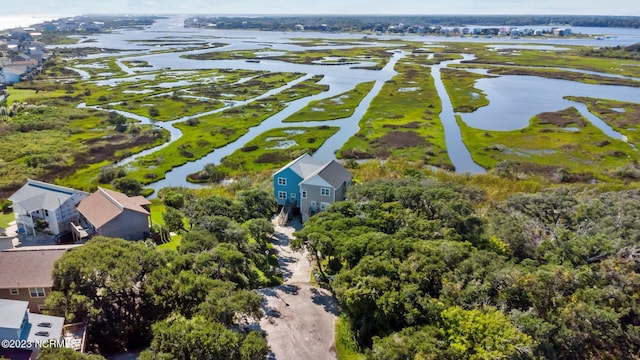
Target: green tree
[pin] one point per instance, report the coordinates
(257, 204)
(174, 199)
(228, 306)
(196, 338)
(489, 334)
(260, 230)
(173, 219)
(62, 353)
(254, 347)
(104, 283)
(128, 186)
(197, 240)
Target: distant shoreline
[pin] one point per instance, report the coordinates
(236, 20)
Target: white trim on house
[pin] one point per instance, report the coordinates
(37, 292)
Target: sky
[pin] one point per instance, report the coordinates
(60, 8)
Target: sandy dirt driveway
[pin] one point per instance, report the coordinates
(299, 318)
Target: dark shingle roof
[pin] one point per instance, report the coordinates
(26, 268)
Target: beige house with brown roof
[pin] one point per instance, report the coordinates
(25, 273)
(113, 214)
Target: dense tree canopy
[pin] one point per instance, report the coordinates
(425, 269)
(131, 294)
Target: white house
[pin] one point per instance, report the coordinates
(20, 327)
(40, 202)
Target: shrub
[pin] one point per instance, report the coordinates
(193, 121)
(250, 148)
(110, 173)
(153, 112)
(272, 158)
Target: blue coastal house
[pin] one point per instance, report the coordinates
(308, 185)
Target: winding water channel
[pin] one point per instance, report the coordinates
(513, 99)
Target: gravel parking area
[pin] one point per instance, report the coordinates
(299, 318)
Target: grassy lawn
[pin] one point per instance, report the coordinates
(5, 219)
(157, 209)
(171, 245)
(19, 95)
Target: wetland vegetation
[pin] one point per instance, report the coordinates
(211, 108)
(403, 120)
(562, 146)
(275, 148)
(460, 87)
(337, 107)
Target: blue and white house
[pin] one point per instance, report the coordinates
(309, 185)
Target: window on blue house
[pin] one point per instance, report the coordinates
(282, 181)
(282, 195)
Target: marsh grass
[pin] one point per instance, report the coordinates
(570, 57)
(621, 116)
(52, 142)
(562, 140)
(378, 55)
(460, 87)
(336, 107)
(565, 75)
(275, 148)
(213, 131)
(406, 105)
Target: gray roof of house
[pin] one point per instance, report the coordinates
(27, 268)
(35, 326)
(304, 165)
(35, 195)
(333, 173)
(11, 313)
